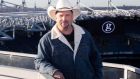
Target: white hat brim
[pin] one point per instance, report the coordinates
(52, 12)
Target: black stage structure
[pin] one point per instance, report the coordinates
(117, 34)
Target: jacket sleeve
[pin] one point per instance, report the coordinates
(43, 58)
(96, 60)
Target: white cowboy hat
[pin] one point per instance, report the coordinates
(63, 5)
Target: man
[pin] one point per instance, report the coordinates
(68, 51)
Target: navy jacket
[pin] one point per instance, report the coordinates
(55, 53)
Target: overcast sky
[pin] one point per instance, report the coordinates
(43, 3)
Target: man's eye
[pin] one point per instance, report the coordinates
(61, 15)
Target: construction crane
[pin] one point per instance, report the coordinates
(78, 1)
(6, 3)
(23, 5)
(109, 5)
(49, 3)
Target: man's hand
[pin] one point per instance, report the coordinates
(58, 75)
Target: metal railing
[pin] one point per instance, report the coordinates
(121, 71)
(110, 70)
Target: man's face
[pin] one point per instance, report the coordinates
(64, 19)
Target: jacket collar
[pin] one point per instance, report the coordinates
(78, 31)
(55, 33)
